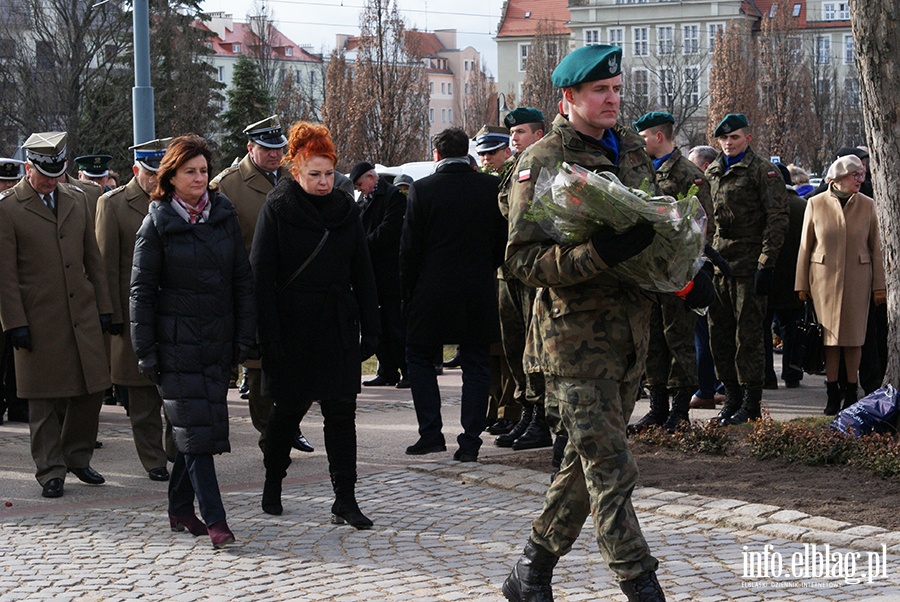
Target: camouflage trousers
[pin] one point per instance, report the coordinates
(736, 325)
(671, 356)
(597, 475)
(516, 302)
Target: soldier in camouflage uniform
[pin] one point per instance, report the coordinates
(526, 126)
(671, 359)
(751, 219)
(588, 336)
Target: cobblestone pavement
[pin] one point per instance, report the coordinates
(444, 531)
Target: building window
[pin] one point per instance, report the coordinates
(312, 78)
(849, 50)
(591, 37)
(667, 87)
(851, 91)
(235, 48)
(796, 12)
(843, 11)
(431, 87)
(450, 88)
(641, 38)
(443, 87)
(828, 11)
(823, 87)
(691, 37)
(467, 88)
(443, 115)
(430, 115)
(221, 74)
(450, 115)
(616, 36)
(823, 50)
(523, 56)
(692, 86)
(665, 37)
(288, 51)
(640, 87)
(714, 29)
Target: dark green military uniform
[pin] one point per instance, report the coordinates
(751, 219)
(589, 338)
(671, 361)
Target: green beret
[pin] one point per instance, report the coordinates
(652, 119)
(588, 64)
(732, 122)
(522, 115)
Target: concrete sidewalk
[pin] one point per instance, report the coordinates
(443, 530)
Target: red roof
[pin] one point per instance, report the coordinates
(764, 7)
(243, 37)
(520, 17)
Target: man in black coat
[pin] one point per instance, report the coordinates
(453, 241)
(382, 207)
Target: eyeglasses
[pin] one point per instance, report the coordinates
(492, 152)
(860, 175)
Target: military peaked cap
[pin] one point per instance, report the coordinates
(149, 154)
(10, 169)
(652, 119)
(522, 115)
(93, 166)
(490, 138)
(731, 122)
(267, 133)
(47, 152)
(588, 64)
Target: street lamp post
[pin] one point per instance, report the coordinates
(501, 108)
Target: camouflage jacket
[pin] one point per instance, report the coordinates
(509, 168)
(676, 176)
(751, 210)
(587, 323)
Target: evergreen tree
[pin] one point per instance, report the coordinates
(248, 102)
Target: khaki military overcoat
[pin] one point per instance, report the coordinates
(52, 280)
(92, 192)
(840, 264)
(120, 213)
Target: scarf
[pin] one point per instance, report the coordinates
(192, 215)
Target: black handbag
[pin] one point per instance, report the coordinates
(809, 348)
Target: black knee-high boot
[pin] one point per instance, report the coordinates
(280, 430)
(340, 446)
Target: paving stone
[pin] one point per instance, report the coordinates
(823, 524)
(787, 516)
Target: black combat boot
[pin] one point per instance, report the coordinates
(509, 438)
(643, 588)
(733, 400)
(750, 408)
(835, 397)
(345, 510)
(679, 415)
(530, 579)
(659, 411)
(850, 395)
(537, 434)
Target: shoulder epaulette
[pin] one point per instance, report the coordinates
(6, 193)
(214, 183)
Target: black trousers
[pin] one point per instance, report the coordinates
(390, 352)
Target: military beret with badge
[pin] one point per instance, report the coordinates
(652, 119)
(588, 64)
(730, 123)
(522, 115)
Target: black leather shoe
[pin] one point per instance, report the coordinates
(98, 444)
(464, 456)
(422, 447)
(53, 488)
(379, 381)
(88, 475)
(403, 384)
(501, 427)
(301, 443)
(158, 474)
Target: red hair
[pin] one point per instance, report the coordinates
(307, 140)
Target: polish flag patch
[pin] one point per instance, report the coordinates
(773, 174)
(524, 175)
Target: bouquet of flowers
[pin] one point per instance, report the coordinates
(570, 203)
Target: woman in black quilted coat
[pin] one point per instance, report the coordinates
(192, 319)
(315, 294)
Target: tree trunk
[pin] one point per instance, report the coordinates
(875, 25)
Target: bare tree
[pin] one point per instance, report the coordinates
(261, 22)
(787, 93)
(877, 55)
(732, 77)
(479, 100)
(341, 111)
(391, 87)
(300, 97)
(55, 51)
(548, 47)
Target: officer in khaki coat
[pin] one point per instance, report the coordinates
(246, 186)
(54, 305)
(588, 336)
(120, 213)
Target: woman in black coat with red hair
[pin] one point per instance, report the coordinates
(315, 296)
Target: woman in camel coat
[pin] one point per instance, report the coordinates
(839, 266)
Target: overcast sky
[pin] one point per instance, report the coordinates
(317, 22)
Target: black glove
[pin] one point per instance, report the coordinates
(115, 329)
(105, 322)
(762, 282)
(20, 337)
(703, 292)
(367, 346)
(615, 248)
(149, 368)
(718, 261)
(241, 353)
